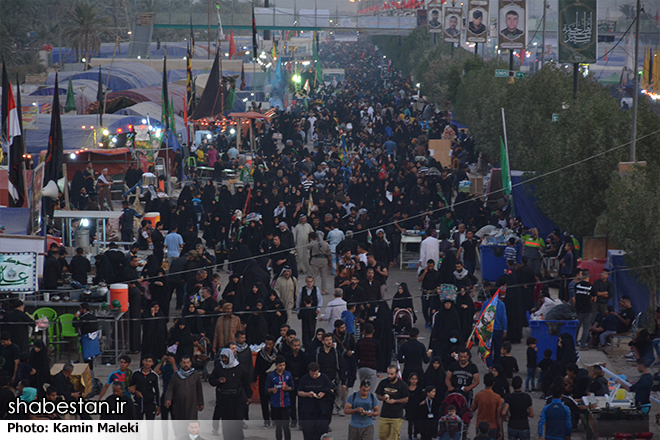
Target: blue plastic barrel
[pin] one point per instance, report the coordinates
(547, 334)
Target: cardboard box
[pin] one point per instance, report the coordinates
(81, 377)
(439, 150)
(476, 184)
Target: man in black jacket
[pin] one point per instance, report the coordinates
(331, 363)
(63, 385)
(233, 388)
(17, 324)
(315, 394)
(80, 267)
(265, 359)
(413, 353)
(120, 406)
(144, 383)
(297, 362)
(87, 324)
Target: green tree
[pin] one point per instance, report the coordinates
(633, 206)
(85, 28)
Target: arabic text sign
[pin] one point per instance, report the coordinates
(578, 31)
(30, 116)
(18, 272)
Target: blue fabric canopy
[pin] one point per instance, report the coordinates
(176, 49)
(625, 282)
(15, 220)
(122, 76)
(524, 206)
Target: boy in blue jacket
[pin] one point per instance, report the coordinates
(278, 385)
(556, 417)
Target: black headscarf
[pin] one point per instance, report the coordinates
(184, 337)
(501, 385)
(444, 321)
(436, 377)
(238, 297)
(384, 335)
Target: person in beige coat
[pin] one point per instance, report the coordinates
(286, 287)
(226, 327)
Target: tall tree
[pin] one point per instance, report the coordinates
(85, 28)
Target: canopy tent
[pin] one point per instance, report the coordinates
(107, 50)
(248, 115)
(177, 75)
(625, 282)
(150, 110)
(117, 76)
(134, 96)
(15, 220)
(524, 206)
(77, 138)
(614, 78)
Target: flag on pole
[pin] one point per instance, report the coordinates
(189, 79)
(165, 99)
(248, 200)
(310, 204)
(485, 325)
(172, 120)
(274, 54)
(242, 76)
(185, 119)
(70, 105)
(504, 165)
(343, 151)
(221, 34)
(100, 98)
(55, 153)
(255, 46)
(231, 94)
(306, 87)
(12, 134)
(232, 44)
(192, 36)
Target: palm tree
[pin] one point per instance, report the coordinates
(629, 11)
(85, 29)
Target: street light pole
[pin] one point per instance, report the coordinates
(545, 8)
(633, 134)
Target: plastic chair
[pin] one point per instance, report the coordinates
(67, 330)
(52, 319)
(191, 161)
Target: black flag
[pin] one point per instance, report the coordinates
(53, 162)
(255, 45)
(100, 98)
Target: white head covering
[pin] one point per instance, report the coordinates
(232, 359)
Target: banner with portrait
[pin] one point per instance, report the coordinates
(477, 30)
(578, 31)
(422, 18)
(512, 24)
(453, 24)
(434, 17)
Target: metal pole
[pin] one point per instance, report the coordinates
(576, 76)
(315, 14)
(476, 48)
(545, 8)
(633, 134)
(208, 28)
(510, 59)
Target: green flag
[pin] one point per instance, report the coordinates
(231, 96)
(172, 120)
(70, 105)
(504, 165)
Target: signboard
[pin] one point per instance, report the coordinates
(512, 24)
(18, 272)
(501, 73)
(422, 18)
(453, 21)
(477, 31)
(30, 116)
(555, 117)
(435, 17)
(520, 75)
(578, 31)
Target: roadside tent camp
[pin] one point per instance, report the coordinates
(174, 49)
(117, 76)
(152, 111)
(524, 206)
(131, 97)
(625, 282)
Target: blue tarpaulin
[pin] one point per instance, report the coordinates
(524, 205)
(122, 76)
(625, 282)
(15, 220)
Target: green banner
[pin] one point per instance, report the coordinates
(578, 31)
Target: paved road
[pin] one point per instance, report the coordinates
(339, 423)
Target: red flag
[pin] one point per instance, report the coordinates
(232, 45)
(247, 202)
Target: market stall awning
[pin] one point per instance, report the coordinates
(249, 115)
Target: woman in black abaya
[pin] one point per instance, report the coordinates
(154, 332)
(465, 308)
(233, 292)
(181, 336)
(444, 322)
(383, 334)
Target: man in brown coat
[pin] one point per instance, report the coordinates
(226, 327)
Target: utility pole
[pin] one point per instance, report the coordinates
(633, 134)
(545, 9)
(208, 31)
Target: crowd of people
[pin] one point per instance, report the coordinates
(313, 236)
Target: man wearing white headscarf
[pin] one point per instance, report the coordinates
(286, 288)
(232, 390)
(301, 240)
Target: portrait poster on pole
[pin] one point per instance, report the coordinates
(453, 24)
(435, 17)
(477, 30)
(512, 25)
